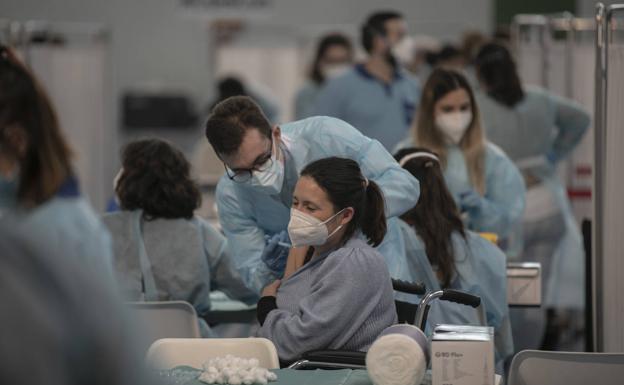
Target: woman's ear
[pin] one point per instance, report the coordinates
(347, 215)
(277, 132)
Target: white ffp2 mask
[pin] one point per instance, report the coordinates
(306, 230)
(403, 51)
(454, 124)
(269, 181)
(331, 71)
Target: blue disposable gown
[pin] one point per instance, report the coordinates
(502, 205)
(500, 209)
(480, 270)
(547, 126)
(179, 259)
(66, 224)
(247, 216)
(173, 259)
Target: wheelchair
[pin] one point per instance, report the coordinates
(414, 314)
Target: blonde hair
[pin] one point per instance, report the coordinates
(426, 133)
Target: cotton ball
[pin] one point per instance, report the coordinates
(230, 371)
(271, 376)
(207, 378)
(235, 371)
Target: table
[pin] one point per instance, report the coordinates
(185, 375)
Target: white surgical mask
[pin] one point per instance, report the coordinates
(454, 124)
(269, 181)
(403, 51)
(306, 230)
(331, 71)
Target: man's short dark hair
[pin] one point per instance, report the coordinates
(229, 121)
(375, 25)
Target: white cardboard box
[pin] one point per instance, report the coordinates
(462, 355)
(524, 284)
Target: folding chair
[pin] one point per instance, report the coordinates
(534, 367)
(171, 352)
(171, 319)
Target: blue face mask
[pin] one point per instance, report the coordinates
(8, 192)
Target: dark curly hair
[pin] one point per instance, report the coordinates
(156, 178)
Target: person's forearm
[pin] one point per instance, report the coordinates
(295, 260)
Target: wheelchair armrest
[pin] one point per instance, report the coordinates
(343, 356)
(339, 357)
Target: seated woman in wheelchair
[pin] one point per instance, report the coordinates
(442, 254)
(336, 292)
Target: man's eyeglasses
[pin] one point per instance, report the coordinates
(242, 175)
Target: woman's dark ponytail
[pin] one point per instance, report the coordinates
(435, 217)
(373, 222)
(497, 70)
(345, 186)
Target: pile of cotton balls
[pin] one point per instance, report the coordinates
(235, 371)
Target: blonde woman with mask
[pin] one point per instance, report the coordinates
(484, 182)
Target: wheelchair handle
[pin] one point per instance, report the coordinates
(408, 287)
(461, 298)
(450, 295)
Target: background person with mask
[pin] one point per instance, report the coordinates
(377, 97)
(39, 193)
(538, 130)
(341, 297)
(163, 252)
(334, 56)
(486, 185)
(442, 254)
(262, 165)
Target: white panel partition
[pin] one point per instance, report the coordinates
(609, 181)
(555, 52)
(74, 77)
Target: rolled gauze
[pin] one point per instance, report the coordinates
(399, 356)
